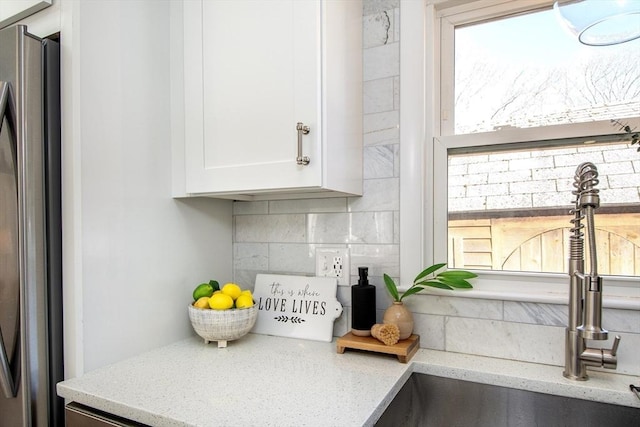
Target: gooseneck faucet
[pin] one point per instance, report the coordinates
(585, 290)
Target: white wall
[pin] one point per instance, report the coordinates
(132, 254)
(142, 251)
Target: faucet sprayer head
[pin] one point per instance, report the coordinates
(585, 181)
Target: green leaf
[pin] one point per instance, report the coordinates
(428, 271)
(456, 283)
(435, 284)
(391, 287)
(458, 274)
(412, 290)
(215, 285)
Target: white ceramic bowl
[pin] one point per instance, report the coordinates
(222, 325)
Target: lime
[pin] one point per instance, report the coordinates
(220, 302)
(202, 290)
(232, 290)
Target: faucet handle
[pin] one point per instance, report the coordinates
(602, 357)
(616, 343)
(609, 359)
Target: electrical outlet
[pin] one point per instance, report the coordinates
(333, 262)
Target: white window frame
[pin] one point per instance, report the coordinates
(423, 227)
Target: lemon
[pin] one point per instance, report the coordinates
(202, 290)
(202, 302)
(220, 301)
(246, 292)
(232, 290)
(244, 301)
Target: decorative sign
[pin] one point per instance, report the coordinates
(296, 306)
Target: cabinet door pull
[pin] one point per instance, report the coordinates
(302, 130)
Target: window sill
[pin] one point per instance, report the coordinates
(619, 292)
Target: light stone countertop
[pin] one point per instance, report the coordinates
(272, 381)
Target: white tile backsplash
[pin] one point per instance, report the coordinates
(396, 160)
(505, 340)
(528, 342)
(622, 321)
(380, 259)
(294, 258)
(270, 228)
(379, 161)
(328, 228)
(380, 121)
(378, 96)
(338, 204)
(541, 314)
(381, 61)
(375, 6)
(378, 195)
(377, 29)
(357, 227)
(396, 93)
(382, 137)
(381, 128)
(431, 330)
(396, 228)
(282, 236)
(246, 278)
(459, 307)
(395, 27)
(371, 227)
(251, 256)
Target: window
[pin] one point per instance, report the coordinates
(523, 104)
(557, 124)
(525, 71)
(509, 209)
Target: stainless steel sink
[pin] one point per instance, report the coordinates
(427, 400)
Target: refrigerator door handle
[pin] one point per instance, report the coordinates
(7, 382)
(9, 385)
(7, 104)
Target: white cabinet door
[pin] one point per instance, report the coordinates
(253, 70)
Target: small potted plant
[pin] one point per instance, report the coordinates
(433, 277)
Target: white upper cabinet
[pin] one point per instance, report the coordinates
(252, 71)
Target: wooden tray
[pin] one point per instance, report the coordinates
(404, 349)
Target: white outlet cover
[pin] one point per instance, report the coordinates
(325, 264)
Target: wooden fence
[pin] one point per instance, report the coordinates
(542, 244)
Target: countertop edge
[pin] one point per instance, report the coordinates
(131, 412)
(606, 387)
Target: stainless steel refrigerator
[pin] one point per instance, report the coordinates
(30, 231)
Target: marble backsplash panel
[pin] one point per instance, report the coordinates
(532, 332)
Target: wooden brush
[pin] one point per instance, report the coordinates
(387, 333)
